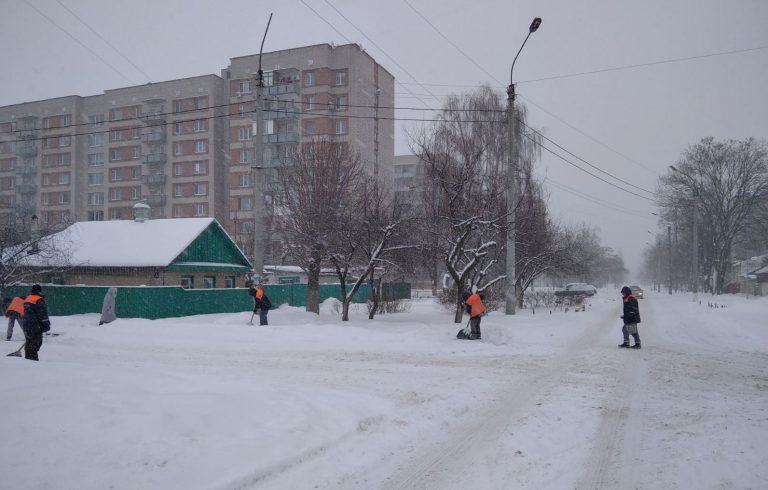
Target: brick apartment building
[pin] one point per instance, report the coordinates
(185, 146)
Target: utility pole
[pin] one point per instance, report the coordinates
(258, 164)
(669, 256)
(511, 291)
(695, 257)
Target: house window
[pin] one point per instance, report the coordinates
(95, 215)
(177, 149)
(66, 120)
(115, 155)
(114, 213)
(64, 198)
(178, 190)
(115, 135)
(135, 193)
(209, 282)
(245, 204)
(229, 281)
(201, 103)
(201, 146)
(95, 140)
(199, 125)
(46, 180)
(115, 114)
(201, 189)
(136, 152)
(178, 169)
(65, 159)
(200, 168)
(115, 194)
(95, 179)
(341, 126)
(96, 159)
(95, 198)
(341, 77)
(245, 156)
(135, 133)
(309, 79)
(64, 179)
(341, 103)
(178, 106)
(201, 209)
(244, 134)
(188, 282)
(245, 180)
(178, 128)
(244, 86)
(310, 102)
(178, 212)
(116, 174)
(135, 173)
(64, 141)
(96, 121)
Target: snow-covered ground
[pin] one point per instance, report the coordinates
(545, 401)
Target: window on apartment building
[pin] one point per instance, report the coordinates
(135, 133)
(341, 103)
(244, 86)
(309, 79)
(115, 114)
(114, 213)
(64, 198)
(178, 149)
(245, 204)
(246, 227)
(200, 125)
(178, 212)
(200, 188)
(188, 282)
(241, 109)
(178, 169)
(209, 282)
(178, 106)
(95, 159)
(115, 174)
(309, 102)
(96, 121)
(95, 140)
(135, 193)
(115, 194)
(64, 141)
(47, 143)
(66, 120)
(201, 103)
(45, 199)
(65, 159)
(341, 77)
(178, 128)
(201, 209)
(64, 178)
(115, 155)
(96, 179)
(136, 152)
(95, 215)
(95, 198)
(201, 146)
(244, 134)
(116, 135)
(229, 282)
(45, 179)
(200, 168)
(135, 173)
(64, 217)
(245, 180)
(310, 127)
(269, 126)
(269, 78)
(245, 156)
(341, 126)
(47, 123)
(178, 190)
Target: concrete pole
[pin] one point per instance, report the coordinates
(669, 256)
(510, 294)
(695, 257)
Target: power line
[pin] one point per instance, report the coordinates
(80, 43)
(600, 202)
(103, 39)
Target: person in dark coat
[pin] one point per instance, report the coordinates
(261, 303)
(631, 318)
(14, 312)
(35, 322)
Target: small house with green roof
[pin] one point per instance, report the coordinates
(189, 252)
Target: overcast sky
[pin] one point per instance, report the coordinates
(631, 123)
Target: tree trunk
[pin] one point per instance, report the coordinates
(459, 305)
(313, 288)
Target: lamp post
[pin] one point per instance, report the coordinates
(695, 258)
(511, 292)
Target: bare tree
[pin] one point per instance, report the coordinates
(312, 197)
(727, 183)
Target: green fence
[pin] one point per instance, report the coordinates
(174, 301)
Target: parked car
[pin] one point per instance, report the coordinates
(577, 288)
(637, 291)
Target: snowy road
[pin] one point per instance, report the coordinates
(546, 401)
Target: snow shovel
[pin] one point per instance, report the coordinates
(464, 332)
(18, 352)
(250, 322)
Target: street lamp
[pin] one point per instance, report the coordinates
(695, 258)
(511, 293)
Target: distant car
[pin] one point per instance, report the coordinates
(577, 288)
(637, 291)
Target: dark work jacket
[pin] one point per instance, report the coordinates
(260, 303)
(35, 320)
(631, 310)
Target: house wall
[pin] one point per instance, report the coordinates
(136, 277)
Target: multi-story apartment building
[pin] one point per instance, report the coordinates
(408, 182)
(186, 146)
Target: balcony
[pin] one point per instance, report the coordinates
(26, 135)
(155, 179)
(156, 199)
(292, 113)
(284, 88)
(26, 169)
(154, 138)
(155, 159)
(26, 188)
(288, 137)
(153, 119)
(27, 150)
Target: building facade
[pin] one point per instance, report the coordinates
(185, 146)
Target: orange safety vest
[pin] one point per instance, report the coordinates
(17, 305)
(478, 308)
(259, 293)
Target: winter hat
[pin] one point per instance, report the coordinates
(36, 289)
(625, 290)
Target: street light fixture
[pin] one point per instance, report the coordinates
(511, 292)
